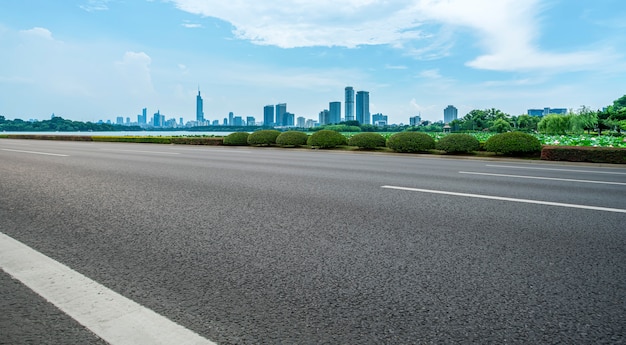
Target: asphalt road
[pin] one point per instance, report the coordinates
(278, 246)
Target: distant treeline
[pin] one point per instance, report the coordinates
(59, 124)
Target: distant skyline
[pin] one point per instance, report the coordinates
(91, 60)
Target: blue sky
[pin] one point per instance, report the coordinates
(98, 59)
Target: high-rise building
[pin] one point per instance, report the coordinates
(349, 103)
(334, 109)
(449, 114)
(250, 121)
(281, 109)
(415, 120)
(363, 107)
(300, 122)
(143, 118)
(199, 109)
(268, 115)
(379, 120)
(231, 118)
(324, 117)
(158, 120)
(119, 120)
(289, 119)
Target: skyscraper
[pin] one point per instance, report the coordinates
(349, 103)
(324, 117)
(363, 107)
(335, 112)
(268, 115)
(281, 109)
(199, 109)
(449, 114)
(231, 117)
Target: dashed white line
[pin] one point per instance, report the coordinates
(113, 317)
(491, 197)
(542, 178)
(139, 151)
(37, 153)
(554, 169)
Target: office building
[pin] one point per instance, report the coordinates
(415, 120)
(231, 117)
(363, 107)
(143, 118)
(250, 121)
(268, 115)
(158, 119)
(119, 120)
(324, 117)
(199, 110)
(289, 119)
(546, 111)
(450, 114)
(300, 122)
(281, 110)
(349, 104)
(379, 120)
(334, 109)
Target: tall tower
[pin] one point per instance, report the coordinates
(268, 115)
(363, 107)
(449, 114)
(231, 118)
(335, 112)
(281, 109)
(199, 109)
(349, 103)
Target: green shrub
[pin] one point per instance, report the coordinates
(513, 144)
(292, 139)
(367, 140)
(458, 143)
(584, 154)
(326, 139)
(265, 137)
(129, 139)
(198, 141)
(236, 139)
(410, 142)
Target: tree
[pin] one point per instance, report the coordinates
(554, 124)
(500, 126)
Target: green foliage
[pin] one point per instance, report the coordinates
(326, 139)
(265, 137)
(458, 143)
(367, 140)
(554, 124)
(237, 139)
(410, 142)
(340, 128)
(584, 154)
(292, 139)
(58, 124)
(513, 144)
(500, 126)
(129, 139)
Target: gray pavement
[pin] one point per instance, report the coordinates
(247, 246)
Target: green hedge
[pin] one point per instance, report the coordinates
(411, 142)
(265, 137)
(50, 137)
(236, 139)
(326, 139)
(292, 139)
(367, 140)
(127, 139)
(458, 143)
(584, 154)
(513, 144)
(198, 141)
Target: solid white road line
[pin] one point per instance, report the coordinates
(113, 317)
(527, 201)
(553, 169)
(37, 153)
(542, 178)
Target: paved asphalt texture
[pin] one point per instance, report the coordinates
(279, 246)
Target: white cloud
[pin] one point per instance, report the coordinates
(134, 69)
(400, 67)
(191, 25)
(38, 32)
(95, 5)
(430, 74)
(507, 30)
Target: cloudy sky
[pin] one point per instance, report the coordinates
(98, 59)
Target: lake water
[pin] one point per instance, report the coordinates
(131, 133)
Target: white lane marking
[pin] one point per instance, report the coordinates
(543, 178)
(37, 153)
(553, 169)
(115, 318)
(527, 201)
(139, 151)
(217, 150)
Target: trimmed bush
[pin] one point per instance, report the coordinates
(367, 140)
(458, 143)
(513, 144)
(129, 139)
(198, 141)
(326, 139)
(584, 154)
(236, 139)
(292, 139)
(410, 142)
(265, 137)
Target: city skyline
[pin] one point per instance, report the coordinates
(102, 59)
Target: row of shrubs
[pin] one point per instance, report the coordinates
(513, 143)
